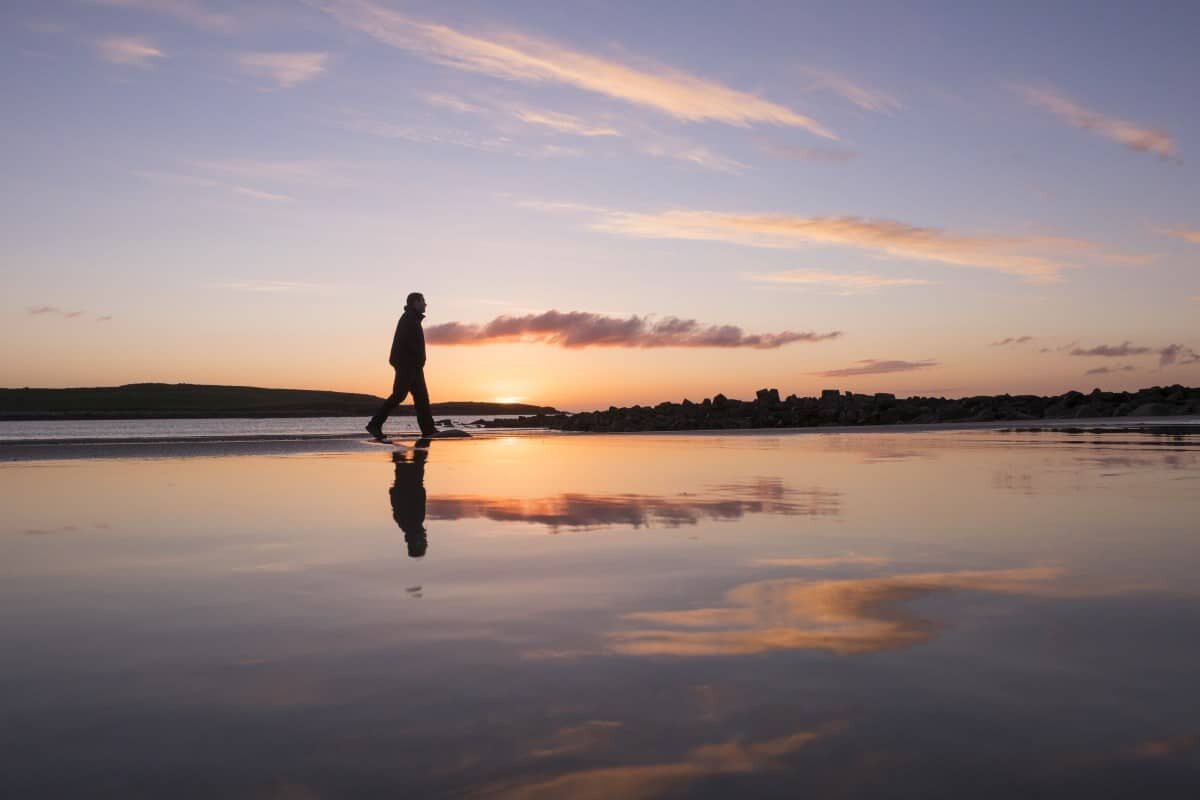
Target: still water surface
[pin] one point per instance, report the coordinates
(916, 614)
(66, 430)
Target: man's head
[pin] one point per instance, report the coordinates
(415, 302)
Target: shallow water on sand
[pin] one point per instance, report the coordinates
(198, 429)
(950, 613)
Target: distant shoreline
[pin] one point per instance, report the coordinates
(836, 408)
(439, 410)
(200, 401)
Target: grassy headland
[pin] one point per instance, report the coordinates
(194, 401)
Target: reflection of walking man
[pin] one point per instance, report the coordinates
(408, 497)
(408, 359)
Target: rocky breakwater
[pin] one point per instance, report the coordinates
(835, 407)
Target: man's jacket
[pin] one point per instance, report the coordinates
(408, 345)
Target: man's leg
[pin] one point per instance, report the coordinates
(400, 387)
(420, 394)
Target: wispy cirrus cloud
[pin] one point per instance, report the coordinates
(177, 178)
(698, 155)
(1189, 234)
(259, 194)
(556, 121)
(1132, 135)
(828, 155)
(133, 51)
(1037, 258)
(861, 96)
(847, 283)
(452, 102)
(873, 366)
(200, 181)
(306, 171)
(286, 69)
(563, 123)
(502, 115)
(577, 329)
(421, 133)
(1011, 340)
(513, 56)
(269, 286)
(193, 12)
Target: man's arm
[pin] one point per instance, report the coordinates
(417, 344)
(398, 345)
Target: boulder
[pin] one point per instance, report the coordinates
(767, 396)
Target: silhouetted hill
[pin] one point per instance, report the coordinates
(187, 400)
(833, 407)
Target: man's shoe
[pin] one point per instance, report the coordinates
(375, 429)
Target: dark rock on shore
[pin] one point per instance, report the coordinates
(834, 407)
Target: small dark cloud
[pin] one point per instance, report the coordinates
(1111, 370)
(828, 155)
(53, 311)
(1012, 340)
(872, 366)
(48, 531)
(1177, 354)
(1172, 354)
(575, 329)
(1123, 350)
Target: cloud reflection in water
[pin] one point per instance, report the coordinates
(846, 616)
(639, 781)
(579, 511)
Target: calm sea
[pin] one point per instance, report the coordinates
(949, 613)
(64, 430)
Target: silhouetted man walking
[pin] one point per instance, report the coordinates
(408, 359)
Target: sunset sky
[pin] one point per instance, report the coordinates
(920, 198)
